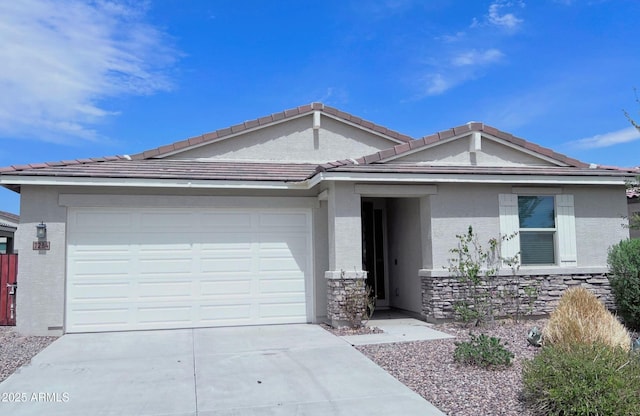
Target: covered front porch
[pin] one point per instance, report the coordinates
(379, 239)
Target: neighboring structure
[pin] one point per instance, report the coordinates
(633, 199)
(269, 221)
(8, 227)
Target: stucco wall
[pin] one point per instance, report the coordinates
(294, 141)
(454, 208)
(456, 153)
(345, 228)
(599, 213)
(41, 274)
(405, 253)
(321, 259)
(600, 222)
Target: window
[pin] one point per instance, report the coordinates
(544, 227)
(537, 221)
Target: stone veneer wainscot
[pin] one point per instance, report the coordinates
(440, 291)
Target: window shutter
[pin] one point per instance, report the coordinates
(566, 225)
(509, 223)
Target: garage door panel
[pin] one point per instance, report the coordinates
(105, 266)
(98, 291)
(101, 317)
(282, 309)
(109, 220)
(165, 266)
(282, 286)
(161, 290)
(223, 221)
(164, 314)
(225, 287)
(279, 221)
(177, 221)
(226, 314)
(186, 268)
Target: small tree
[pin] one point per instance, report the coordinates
(476, 267)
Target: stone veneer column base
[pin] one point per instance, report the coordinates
(345, 297)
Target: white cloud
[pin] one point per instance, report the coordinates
(462, 67)
(499, 16)
(475, 57)
(61, 58)
(507, 20)
(613, 138)
(437, 84)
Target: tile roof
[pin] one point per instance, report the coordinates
(150, 164)
(262, 121)
(176, 169)
(405, 148)
(34, 166)
(11, 217)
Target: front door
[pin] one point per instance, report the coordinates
(374, 248)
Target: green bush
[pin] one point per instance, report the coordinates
(483, 351)
(587, 379)
(624, 276)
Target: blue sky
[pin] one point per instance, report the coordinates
(95, 78)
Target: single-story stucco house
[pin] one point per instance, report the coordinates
(268, 221)
(8, 227)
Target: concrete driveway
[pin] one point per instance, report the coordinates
(261, 370)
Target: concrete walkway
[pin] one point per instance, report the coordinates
(262, 370)
(397, 330)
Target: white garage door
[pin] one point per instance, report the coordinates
(159, 268)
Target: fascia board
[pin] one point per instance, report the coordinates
(152, 183)
(474, 178)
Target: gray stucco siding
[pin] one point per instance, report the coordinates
(295, 141)
(599, 213)
(41, 274)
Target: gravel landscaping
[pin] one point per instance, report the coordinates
(427, 367)
(17, 350)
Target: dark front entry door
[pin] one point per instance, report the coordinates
(373, 249)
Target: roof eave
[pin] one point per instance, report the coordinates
(471, 178)
(150, 183)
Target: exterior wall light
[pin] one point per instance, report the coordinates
(41, 230)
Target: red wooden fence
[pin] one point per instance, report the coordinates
(8, 276)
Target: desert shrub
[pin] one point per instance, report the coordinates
(586, 379)
(359, 303)
(483, 351)
(581, 318)
(624, 276)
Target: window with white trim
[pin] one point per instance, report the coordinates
(537, 221)
(544, 227)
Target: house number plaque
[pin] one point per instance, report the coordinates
(41, 245)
